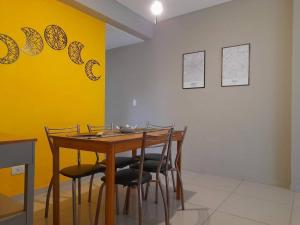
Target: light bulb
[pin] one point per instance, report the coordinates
(157, 8)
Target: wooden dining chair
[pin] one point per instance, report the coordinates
(120, 161)
(137, 177)
(75, 172)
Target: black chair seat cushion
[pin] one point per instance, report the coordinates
(129, 177)
(151, 166)
(122, 162)
(153, 156)
(82, 170)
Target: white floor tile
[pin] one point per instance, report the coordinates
(295, 220)
(189, 174)
(297, 200)
(237, 203)
(210, 198)
(266, 192)
(38, 206)
(219, 218)
(259, 210)
(214, 182)
(192, 215)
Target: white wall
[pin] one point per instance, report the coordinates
(241, 132)
(296, 99)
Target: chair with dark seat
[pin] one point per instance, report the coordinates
(75, 172)
(152, 167)
(157, 156)
(133, 177)
(121, 161)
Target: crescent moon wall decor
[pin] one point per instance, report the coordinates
(89, 70)
(12, 50)
(74, 51)
(55, 37)
(34, 43)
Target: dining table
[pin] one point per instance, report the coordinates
(109, 145)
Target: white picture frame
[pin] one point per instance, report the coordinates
(193, 72)
(236, 65)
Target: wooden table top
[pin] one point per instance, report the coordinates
(110, 138)
(10, 139)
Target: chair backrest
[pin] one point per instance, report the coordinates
(99, 128)
(67, 130)
(150, 126)
(179, 151)
(155, 126)
(160, 139)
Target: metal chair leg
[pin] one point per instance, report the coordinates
(167, 190)
(140, 204)
(79, 191)
(147, 191)
(74, 202)
(91, 188)
(99, 204)
(164, 201)
(181, 187)
(48, 198)
(156, 189)
(117, 200)
(173, 180)
(127, 201)
(172, 174)
(143, 191)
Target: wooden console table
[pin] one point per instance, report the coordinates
(15, 151)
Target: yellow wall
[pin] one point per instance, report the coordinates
(48, 89)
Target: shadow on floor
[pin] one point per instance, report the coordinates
(153, 213)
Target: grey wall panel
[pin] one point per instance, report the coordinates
(241, 132)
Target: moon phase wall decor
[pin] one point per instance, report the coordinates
(55, 37)
(34, 43)
(12, 50)
(74, 51)
(89, 70)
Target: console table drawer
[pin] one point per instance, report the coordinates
(16, 154)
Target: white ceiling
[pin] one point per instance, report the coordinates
(172, 8)
(116, 38)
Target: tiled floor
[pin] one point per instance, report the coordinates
(210, 200)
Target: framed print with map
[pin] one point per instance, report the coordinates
(193, 72)
(236, 65)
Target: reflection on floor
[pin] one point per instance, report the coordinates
(210, 200)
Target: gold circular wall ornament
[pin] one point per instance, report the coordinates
(74, 51)
(34, 43)
(55, 37)
(89, 69)
(13, 51)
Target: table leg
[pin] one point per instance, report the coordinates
(29, 193)
(56, 218)
(110, 187)
(178, 186)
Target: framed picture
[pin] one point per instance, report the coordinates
(236, 65)
(193, 72)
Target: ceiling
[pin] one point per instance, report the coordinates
(172, 8)
(116, 38)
